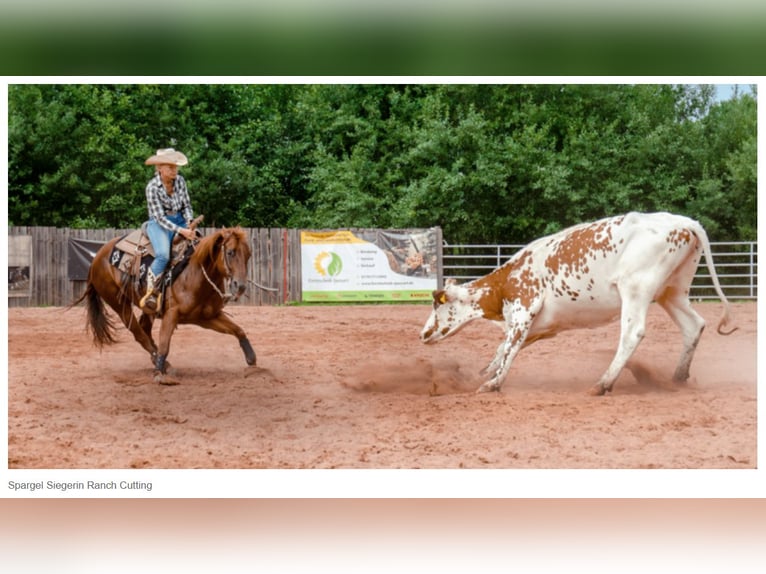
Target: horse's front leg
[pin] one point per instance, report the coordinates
(169, 324)
(223, 324)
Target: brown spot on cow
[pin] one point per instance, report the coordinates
(582, 244)
(679, 237)
(514, 280)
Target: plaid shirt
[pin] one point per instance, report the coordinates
(160, 203)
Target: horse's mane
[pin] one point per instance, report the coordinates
(206, 248)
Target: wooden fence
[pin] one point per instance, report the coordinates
(42, 273)
(38, 265)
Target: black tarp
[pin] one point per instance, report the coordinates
(80, 254)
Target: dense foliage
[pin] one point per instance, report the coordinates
(487, 163)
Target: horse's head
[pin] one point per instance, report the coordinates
(233, 259)
(231, 252)
(223, 258)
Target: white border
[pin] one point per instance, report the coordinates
(512, 483)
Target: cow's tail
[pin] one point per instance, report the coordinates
(726, 319)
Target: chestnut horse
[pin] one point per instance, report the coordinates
(197, 296)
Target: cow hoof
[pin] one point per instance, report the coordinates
(488, 388)
(597, 391)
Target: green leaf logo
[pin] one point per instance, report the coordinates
(332, 267)
(335, 266)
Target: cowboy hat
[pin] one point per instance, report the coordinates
(167, 156)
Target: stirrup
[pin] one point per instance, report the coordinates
(150, 302)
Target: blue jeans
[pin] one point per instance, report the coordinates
(161, 240)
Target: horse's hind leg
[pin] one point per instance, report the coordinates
(114, 290)
(146, 321)
(142, 332)
(120, 301)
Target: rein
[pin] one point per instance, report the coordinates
(224, 296)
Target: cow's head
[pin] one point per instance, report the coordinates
(454, 307)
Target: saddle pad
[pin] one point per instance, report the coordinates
(135, 242)
(124, 261)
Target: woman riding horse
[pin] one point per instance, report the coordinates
(216, 272)
(170, 212)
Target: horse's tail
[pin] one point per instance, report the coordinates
(99, 323)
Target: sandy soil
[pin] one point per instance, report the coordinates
(352, 387)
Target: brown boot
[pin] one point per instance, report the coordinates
(150, 302)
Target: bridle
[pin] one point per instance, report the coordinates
(227, 276)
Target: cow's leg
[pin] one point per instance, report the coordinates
(498, 354)
(495, 363)
(223, 324)
(519, 321)
(691, 325)
(506, 352)
(496, 360)
(632, 329)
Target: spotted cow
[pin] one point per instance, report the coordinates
(586, 276)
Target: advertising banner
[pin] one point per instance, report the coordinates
(369, 265)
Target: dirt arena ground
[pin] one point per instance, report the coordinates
(352, 387)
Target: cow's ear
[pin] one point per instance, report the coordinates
(450, 281)
(440, 296)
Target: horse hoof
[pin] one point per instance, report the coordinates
(169, 369)
(249, 352)
(166, 364)
(161, 380)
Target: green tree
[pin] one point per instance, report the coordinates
(487, 163)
